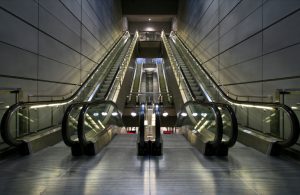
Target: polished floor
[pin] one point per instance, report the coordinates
(117, 170)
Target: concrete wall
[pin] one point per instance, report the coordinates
(251, 47)
(48, 47)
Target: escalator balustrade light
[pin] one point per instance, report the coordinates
(104, 113)
(133, 114)
(50, 105)
(95, 114)
(184, 114)
(165, 114)
(195, 114)
(114, 113)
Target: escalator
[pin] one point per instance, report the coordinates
(88, 126)
(257, 121)
(111, 72)
(135, 87)
(163, 86)
(213, 135)
(147, 144)
(187, 73)
(31, 126)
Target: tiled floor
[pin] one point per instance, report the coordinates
(117, 170)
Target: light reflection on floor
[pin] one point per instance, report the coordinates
(117, 170)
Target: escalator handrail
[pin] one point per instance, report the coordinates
(234, 131)
(66, 138)
(64, 129)
(295, 127)
(5, 126)
(218, 118)
(234, 125)
(80, 127)
(141, 137)
(157, 125)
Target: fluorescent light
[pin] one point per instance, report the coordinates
(145, 122)
(133, 114)
(95, 114)
(103, 113)
(184, 114)
(195, 114)
(165, 114)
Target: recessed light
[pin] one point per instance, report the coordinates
(165, 114)
(104, 113)
(184, 114)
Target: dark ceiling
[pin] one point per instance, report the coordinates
(149, 7)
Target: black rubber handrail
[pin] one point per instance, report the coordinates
(141, 136)
(80, 127)
(234, 125)
(5, 122)
(295, 127)
(64, 130)
(157, 125)
(218, 118)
